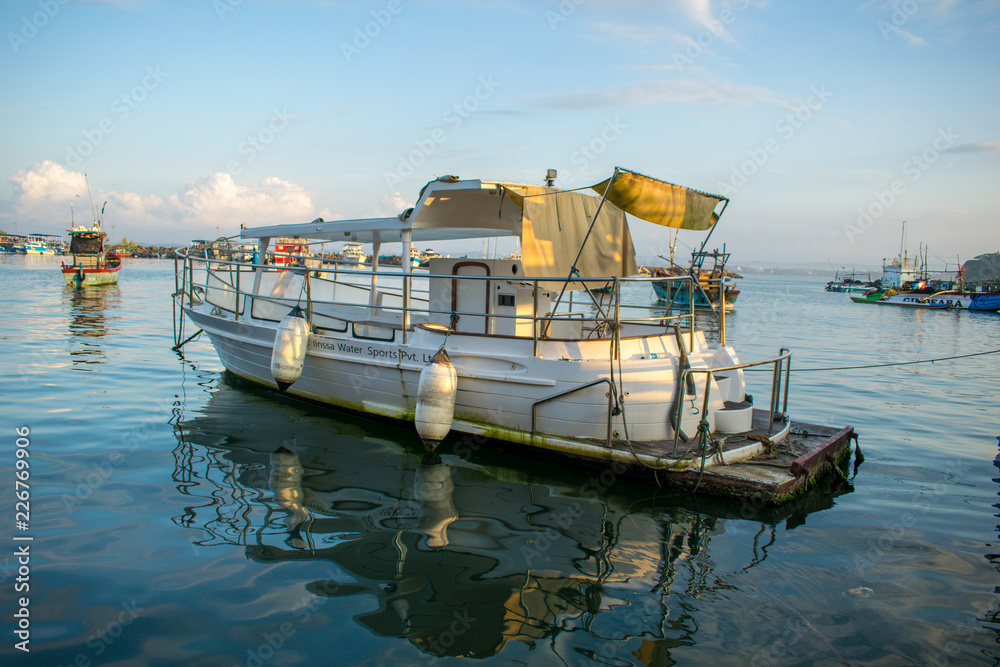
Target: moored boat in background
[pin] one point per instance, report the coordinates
(91, 264)
(42, 244)
(353, 253)
(885, 299)
(9, 243)
(850, 283)
(933, 294)
(715, 284)
(909, 282)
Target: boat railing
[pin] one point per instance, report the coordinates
(405, 300)
(780, 365)
(588, 385)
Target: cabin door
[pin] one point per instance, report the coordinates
(470, 297)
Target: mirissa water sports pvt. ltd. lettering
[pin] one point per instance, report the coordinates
(372, 352)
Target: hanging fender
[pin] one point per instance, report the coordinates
(436, 399)
(289, 352)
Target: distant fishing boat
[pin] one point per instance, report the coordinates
(944, 299)
(92, 264)
(288, 252)
(886, 299)
(909, 283)
(709, 268)
(10, 242)
(851, 283)
(497, 349)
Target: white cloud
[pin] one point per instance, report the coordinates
(393, 204)
(219, 200)
(46, 192)
(43, 194)
(699, 10)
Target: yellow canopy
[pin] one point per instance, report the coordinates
(660, 202)
(554, 224)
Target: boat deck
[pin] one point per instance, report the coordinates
(774, 474)
(772, 477)
(685, 451)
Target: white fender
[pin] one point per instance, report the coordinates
(289, 353)
(436, 399)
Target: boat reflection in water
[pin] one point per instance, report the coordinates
(464, 556)
(91, 319)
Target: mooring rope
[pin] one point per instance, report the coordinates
(891, 363)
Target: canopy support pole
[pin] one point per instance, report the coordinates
(376, 249)
(725, 203)
(579, 253)
(407, 279)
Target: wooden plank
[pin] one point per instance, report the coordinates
(827, 449)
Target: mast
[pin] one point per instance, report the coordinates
(97, 223)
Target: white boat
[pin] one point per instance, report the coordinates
(41, 244)
(496, 349)
(427, 255)
(353, 253)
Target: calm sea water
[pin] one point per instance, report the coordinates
(179, 517)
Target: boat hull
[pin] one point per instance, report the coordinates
(90, 277)
(853, 289)
(989, 303)
(942, 301)
(664, 292)
(383, 380)
(902, 303)
(512, 396)
(382, 377)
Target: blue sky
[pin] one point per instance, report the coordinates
(826, 123)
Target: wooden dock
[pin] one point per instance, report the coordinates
(774, 477)
(762, 472)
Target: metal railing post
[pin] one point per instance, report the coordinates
(788, 371)
(775, 393)
(722, 312)
(534, 319)
(572, 391)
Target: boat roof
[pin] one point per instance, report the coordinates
(553, 224)
(453, 209)
(446, 210)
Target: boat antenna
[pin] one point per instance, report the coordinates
(92, 213)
